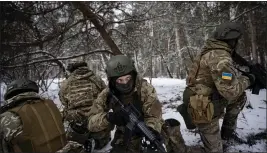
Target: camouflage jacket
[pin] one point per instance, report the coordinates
(10, 124)
(151, 108)
(213, 70)
(78, 92)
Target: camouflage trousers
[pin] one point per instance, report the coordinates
(172, 137)
(210, 132)
(77, 140)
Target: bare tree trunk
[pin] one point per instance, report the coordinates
(253, 38)
(161, 52)
(151, 49)
(178, 50)
(94, 19)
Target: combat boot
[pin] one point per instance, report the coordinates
(231, 136)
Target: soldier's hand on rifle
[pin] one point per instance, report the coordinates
(118, 117)
(251, 77)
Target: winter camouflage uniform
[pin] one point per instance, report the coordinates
(15, 129)
(152, 117)
(79, 91)
(207, 78)
(77, 94)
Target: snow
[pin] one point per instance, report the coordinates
(170, 93)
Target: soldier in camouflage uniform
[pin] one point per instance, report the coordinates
(128, 87)
(214, 83)
(77, 94)
(28, 122)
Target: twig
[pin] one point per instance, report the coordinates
(202, 26)
(60, 58)
(244, 13)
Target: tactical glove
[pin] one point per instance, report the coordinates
(119, 118)
(252, 79)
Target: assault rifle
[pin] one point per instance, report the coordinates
(134, 122)
(256, 69)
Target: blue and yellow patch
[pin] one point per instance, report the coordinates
(227, 76)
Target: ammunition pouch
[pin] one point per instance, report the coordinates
(201, 109)
(182, 109)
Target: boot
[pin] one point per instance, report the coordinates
(230, 135)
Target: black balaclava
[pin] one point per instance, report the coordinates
(123, 88)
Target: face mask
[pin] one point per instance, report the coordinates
(125, 88)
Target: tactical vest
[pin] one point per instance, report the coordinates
(81, 92)
(43, 129)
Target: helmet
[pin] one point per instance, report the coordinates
(229, 30)
(119, 65)
(20, 86)
(73, 65)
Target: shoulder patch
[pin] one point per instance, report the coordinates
(227, 76)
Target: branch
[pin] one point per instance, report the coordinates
(244, 13)
(45, 11)
(94, 19)
(48, 38)
(60, 58)
(59, 63)
(237, 17)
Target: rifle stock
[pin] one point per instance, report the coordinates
(134, 122)
(257, 70)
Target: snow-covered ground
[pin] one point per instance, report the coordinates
(250, 121)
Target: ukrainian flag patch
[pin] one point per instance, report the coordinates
(227, 76)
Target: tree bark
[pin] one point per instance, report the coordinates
(94, 19)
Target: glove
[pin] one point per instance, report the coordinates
(119, 118)
(251, 77)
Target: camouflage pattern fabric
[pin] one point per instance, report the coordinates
(151, 108)
(174, 141)
(11, 124)
(78, 92)
(216, 61)
(10, 127)
(210, 136)
(232, 111)
(207, 77)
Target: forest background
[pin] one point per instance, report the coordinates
(38, 39)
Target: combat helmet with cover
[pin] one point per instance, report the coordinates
(74, 64)
(228, 31)
(20, 86)
(119, 65)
